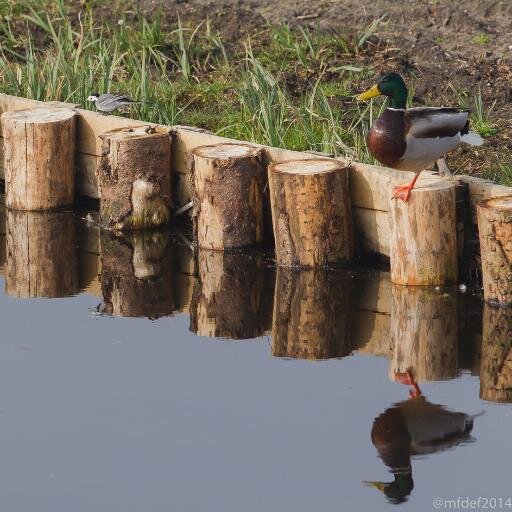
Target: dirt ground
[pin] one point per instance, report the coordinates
(441, 45)
(444, 41)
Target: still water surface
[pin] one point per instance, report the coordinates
(131, 394)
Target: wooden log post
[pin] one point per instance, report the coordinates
(423, 333)
(227, 191)
(311, 212)
(495, 231)
(229, 299)
(312, 313)
(41, 255)
(423, 237)
(496, 362)
(39, 149)
(136, 274)
(135, 178)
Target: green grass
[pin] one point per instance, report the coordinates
(482, 39)
(282, 86)
(501, 173)
(288, 88)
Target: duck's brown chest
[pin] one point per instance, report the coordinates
(386, 138)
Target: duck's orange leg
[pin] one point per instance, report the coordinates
(407, 378)
(404, 191)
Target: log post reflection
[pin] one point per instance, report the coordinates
(496, 364)
(423, 333)
(41, 255)
(312, 313)
(230, 298)
(136, 274)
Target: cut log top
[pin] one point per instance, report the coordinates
(497, 203)
(316, 166)
(40, 115)
(226, 151)
(135, 132)
(429, 184)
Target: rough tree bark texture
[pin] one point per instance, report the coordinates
(39, 149)
(41, 255)
(136, 274)
(423, 237)
(496, 365)
(311, 212)
(423, 333)
(495, 230)
(230, 299)
(312, 313)
(135, 178)
(227, 191)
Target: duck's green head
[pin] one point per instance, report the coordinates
(398, 490)
(390, 85)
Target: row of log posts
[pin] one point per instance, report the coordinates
(312, 313)
(312, 222)
(134, 169)
(312, 226)
(310, 204)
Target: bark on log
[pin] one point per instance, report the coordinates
(496, 363)
(227, 182)
(135, 178)
(41, 255)
(423, 333)
(495, 230)
(423, 237)
(136, 274)
(229, 298)
(312, 313)
(311, 212)
(39, 149)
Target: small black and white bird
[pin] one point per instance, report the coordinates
(110, 102)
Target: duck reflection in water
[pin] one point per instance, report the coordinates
(414, 427)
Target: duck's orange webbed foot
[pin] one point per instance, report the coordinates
(407, 378)
(402, 192)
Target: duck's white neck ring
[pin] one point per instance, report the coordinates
(397, 109)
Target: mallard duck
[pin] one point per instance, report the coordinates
(412, 139)
(414, 427)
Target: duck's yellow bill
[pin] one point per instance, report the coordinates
(378, 485)
(370, 93)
